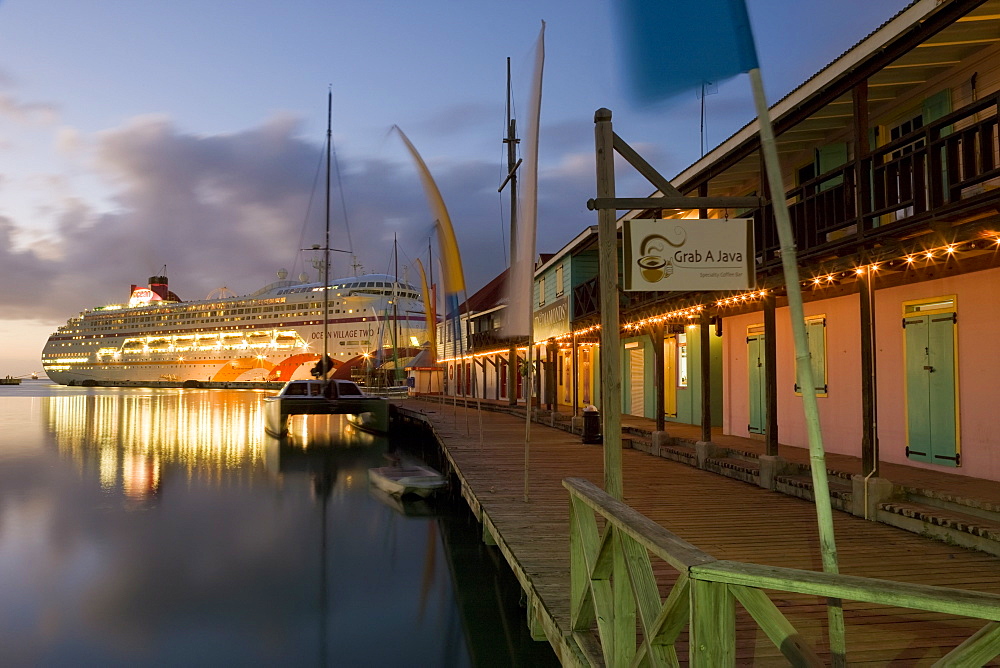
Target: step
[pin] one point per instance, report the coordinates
(801, 485)
(741, 468)
(945, 524)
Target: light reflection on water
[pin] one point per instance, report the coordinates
(162, 527)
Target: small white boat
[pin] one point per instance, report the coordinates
(400, 481)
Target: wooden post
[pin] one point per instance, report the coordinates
(656, 335)
(771, 376)
(713, 625)
(869, 397)
(575, 376)
(862, 187)
(624, 632)
(541, 366)
(705, 327)
(551, 379)
(607, 241)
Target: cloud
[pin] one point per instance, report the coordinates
(27, 113)
(231, 209)
(458, 118)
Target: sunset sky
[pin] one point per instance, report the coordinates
(189, 134)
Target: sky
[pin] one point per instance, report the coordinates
(190, 134)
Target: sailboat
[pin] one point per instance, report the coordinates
(326, 395)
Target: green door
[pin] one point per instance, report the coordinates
(931, 417)
(758, 384)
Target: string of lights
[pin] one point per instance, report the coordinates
(915, 259)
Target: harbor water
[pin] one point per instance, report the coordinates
(157, 527)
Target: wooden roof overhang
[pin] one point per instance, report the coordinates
(921, 42)
(899, 60)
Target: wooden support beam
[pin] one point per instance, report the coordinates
(869, 396)
(705, 329)
(644, 168)
(862, 147)
(713, 626)
(673, 202)
(513, 377)
(771, 376)
(656, 335)
(607, 241)
(575, 375)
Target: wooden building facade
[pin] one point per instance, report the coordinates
(891, 162)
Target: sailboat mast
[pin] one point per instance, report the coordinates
(511, 141)
(395, 311)
(326, 246)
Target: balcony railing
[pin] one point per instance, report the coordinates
(939, 168)
(586, 298)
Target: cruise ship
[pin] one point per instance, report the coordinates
(274, 334)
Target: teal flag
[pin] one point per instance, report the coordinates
(677, 45)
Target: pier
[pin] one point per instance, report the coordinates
(708, 557)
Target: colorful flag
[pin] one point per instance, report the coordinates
(451, 260)
(677, 45)
(522, 267)
(430, 316)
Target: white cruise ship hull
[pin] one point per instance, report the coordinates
(276, 334)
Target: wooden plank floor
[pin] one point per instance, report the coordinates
(726, 518)
(937, 479)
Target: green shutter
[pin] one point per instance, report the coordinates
(816, 340)
(816, 334)
(917, 394)
(941, 387)
(830, 157)
(758, 385)
(931, 417)
(937, 106)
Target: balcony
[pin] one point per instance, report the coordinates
(946, 168)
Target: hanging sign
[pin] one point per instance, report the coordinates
(552, 320)
(686, 254)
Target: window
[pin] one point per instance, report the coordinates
(541, 291)
(816, 337)
(559, 281)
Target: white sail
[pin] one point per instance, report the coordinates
(519, 285)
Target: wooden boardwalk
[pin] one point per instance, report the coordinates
(726, 518)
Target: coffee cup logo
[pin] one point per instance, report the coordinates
(653, 265)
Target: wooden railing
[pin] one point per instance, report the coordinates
(898, 184)
(612, 586)
(586, 298)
